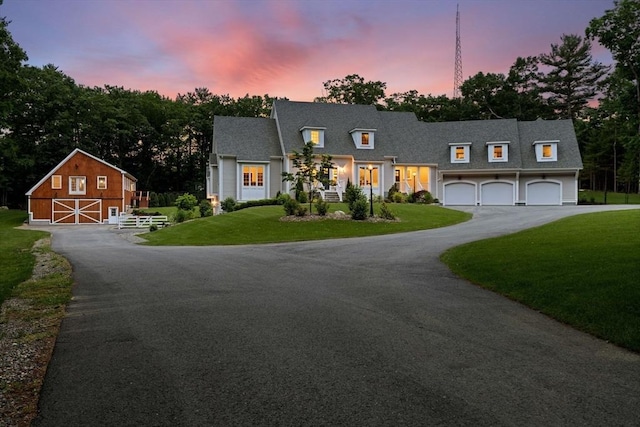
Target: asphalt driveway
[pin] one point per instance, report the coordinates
(365, 331)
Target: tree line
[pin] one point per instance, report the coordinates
(166, 142)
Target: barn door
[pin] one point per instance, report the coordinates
(76, 211)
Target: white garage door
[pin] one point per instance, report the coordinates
(497, 193)
(459, 194)
(544, 193)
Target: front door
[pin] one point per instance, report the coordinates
(369, 180)
(113, 215)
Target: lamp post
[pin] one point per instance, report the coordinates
(370, 190)
(414, 182)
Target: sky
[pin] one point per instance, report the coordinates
(288, 48)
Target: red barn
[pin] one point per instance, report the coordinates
(82, 189)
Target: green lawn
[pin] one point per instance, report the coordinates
(583, 271)
(612, 198)
(263, 225)
(16, 259)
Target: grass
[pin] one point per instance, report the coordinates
(16, 259)
(612, 198)
(37, 316)
(583, 271)
(263, 225)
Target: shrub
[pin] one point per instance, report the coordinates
(422, 196)
(228, 204)
(359, 209)
(186, 202)
(352, 194)
(182, 215)
(205, 208)
(392, 191)
(154, 201)
(386, 213)
(291, 206)
(282, 198)
(399, 198)
(153, 227)
(254, 203)
(322, 207)
(301, 211)
(303, 197)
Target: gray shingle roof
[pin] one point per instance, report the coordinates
(398, 135)
(247, 138)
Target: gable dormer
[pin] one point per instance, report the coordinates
(313, 134)
(363, 139)
(546, 151)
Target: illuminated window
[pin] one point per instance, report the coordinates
(102, 183)
(77, 185)
(498, 152)
(56, 182)
(363, 138)
(460, 152)
(546, 151)
(315, 136)
(253, 176)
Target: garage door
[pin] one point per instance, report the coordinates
(544, 193)
(459, 193)
(76, 211)
(497, 193)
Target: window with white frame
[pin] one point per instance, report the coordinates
(77, 185)
(102, 182)
(460, 152)
(313, 134)
(56, 182)
(498, 151)
(363, 138)
(546, 151)
(253, 176)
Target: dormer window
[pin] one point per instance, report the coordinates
(546, 151)
(460, 152)
(498, 151)
(313, 134)
(363, 138)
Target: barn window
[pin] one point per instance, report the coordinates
(102, 183)
(77, 185)
(56, 182)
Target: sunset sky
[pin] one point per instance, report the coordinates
(288, 48)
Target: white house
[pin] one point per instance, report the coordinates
(478, 162)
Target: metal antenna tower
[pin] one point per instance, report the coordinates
(457, 75)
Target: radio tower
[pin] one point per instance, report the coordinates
(457, 77)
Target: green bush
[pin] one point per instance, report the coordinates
(399, 198)
(153, 227)
(182, 215)
(154, 201)
(282, 198)
(205, 208)
(228, 204)
(291, 206)
(422, 196)
(301, 211)
(254, 203)
(352, 194)
(303, 197)
(392, 191)
(186, 202)
(322, 207)
(386, 213)
(359, 208)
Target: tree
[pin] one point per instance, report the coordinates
(353, 90)
(308, 172)
(573, 77)
(619, 31)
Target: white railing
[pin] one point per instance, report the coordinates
(135, 221)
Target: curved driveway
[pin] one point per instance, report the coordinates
(365, 331)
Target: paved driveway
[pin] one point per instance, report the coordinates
(366, 331)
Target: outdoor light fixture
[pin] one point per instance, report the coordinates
(370, 190)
